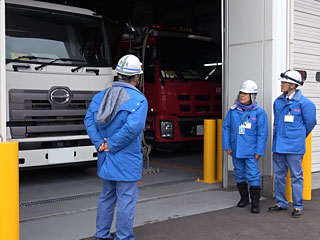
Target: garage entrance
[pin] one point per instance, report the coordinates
(183, 64)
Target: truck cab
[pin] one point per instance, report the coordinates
(182, 82)
(57, 58)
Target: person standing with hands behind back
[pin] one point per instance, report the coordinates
(294, 119)
(244, 137)
(114, 122)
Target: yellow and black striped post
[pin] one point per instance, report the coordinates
(9, 187)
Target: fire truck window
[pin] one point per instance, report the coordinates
(190, 57)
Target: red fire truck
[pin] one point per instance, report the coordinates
(182, 82)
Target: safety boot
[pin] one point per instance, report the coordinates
(255, 194)
(113, 236)
(296, 213)
(244, 193)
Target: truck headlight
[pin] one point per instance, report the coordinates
(167, 129)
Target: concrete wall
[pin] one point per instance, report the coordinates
(255, 47)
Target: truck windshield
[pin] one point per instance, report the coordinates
(50, 37)
(189, 59)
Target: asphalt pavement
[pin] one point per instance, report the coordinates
(239, 223)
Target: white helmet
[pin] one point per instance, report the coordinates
(291, 77)
(249, 86)
(129, 65)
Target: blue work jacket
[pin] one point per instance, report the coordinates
(123, 132)
(289, 137)
(253, 140)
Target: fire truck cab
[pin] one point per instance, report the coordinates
(182, 82)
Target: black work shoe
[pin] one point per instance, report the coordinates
(296, 213)
(112, 237)
(244, 194)
(255, 209)
(243, 203)
(276, 208)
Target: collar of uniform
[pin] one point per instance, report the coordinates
(296, 96)
(124, 84)
(291, 96)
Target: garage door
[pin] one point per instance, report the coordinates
(306, 55)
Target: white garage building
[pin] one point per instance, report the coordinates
(262, 39)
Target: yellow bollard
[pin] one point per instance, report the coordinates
(9, 185)
(306, 166)
(209, 151)
(219, 150)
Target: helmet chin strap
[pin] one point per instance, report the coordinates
(291, 90)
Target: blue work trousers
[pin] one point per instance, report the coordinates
(125, 194)
(247, 170)
(281, 162)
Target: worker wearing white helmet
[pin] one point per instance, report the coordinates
(291, 77)
(129, 68)
(114, 122)
(244, 137)
(294, 119)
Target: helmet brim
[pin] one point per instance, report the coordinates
(288, 81)
(128, 73)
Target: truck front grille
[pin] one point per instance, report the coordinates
(188, 126)
(201, 103)
(32, 115)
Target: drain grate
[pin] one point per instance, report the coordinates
(92, 194)
(168, 183)
(57, 199)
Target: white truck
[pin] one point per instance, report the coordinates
(57, 58)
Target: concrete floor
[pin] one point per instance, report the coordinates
(60, 204)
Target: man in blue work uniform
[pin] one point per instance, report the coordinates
(244, 137)
(294, 119)
(115, 121)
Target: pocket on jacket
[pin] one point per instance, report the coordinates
(251, 139)
(296, 133)
(295, 130)
(252, 131)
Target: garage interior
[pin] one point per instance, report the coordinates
(202, 15)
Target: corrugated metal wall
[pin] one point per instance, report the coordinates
(306, 56)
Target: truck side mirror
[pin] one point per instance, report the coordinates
(153, 52)
(138, 37)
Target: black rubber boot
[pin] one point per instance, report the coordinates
(244, 193)
(255, 194)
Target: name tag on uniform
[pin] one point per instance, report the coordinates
(247, 125)
(288, 118)
(242, 129)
